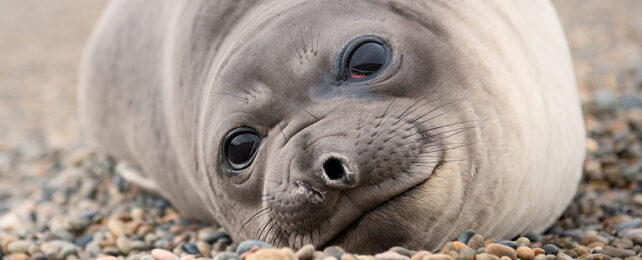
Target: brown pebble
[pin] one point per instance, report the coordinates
(459, 245)
(485, 256)
(270, 254)
(188, 257)
(476, 241)
(589, 239)
(144, 230)
(305, 252)
(539, 251)
(489, 241)
(18, 256)
(562, 256)
(116, 227)
(348, 257)
(523, 241)
(448, 247)
(596, 245)
(6, 240)
(203, 247)
(616, 252)
(162, 254)
(597, 257)
(137, 214)
(570, 253)
(525, 253)
(176, 229)
(504, 258)
(107, 258)
(501, 250)
(390, 255)
(132, 226)
(438, 257)
(420, 255)
(540, 257)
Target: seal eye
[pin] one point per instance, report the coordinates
(366, 60)
(241, 147)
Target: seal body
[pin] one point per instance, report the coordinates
(465, 117)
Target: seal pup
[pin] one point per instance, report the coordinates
(364, 124)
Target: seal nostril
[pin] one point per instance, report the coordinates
(334, 169)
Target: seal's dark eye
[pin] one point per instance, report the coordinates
(241, 147)
(366, 59)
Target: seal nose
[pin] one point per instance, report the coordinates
(339, 173)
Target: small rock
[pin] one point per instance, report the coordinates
(550, 249)
(485, 256)
(420, 255)
(448, 247)
(539, 251)
(616, 252)
(19, 246)
(248, 244)
(581, 250)
(162, 254)
(525, 253)
(138, 245)
(590, 239)
(562, 256)
(390, 255)
(227, 256)
(18, 256)
(137, 214)
(211, 236)
(190, 249)
(401, 250)
(124, 244)
(622, 243)
(465, 236)
(476, 241)
(466, 253)
(334, 251)
(270, 254)
(305, 252)
(438, 257)
(509, 243)
(524, 241)
(116, 227)
(348, 257)
(83, 240)
(540, 257)
(106, 258)
(111, 250)
(501, 250)
(203, 247)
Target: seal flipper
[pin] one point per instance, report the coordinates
(133, 174)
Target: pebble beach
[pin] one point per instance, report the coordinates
(62, 200)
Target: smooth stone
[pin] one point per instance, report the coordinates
(227, 256)
(18, 256)
(390, 255)
(334, 251)
(539, 251)
(63, 235)
(540, 257)
(124, 244)
(448, 247)
(107, 258)
(270, 254)
(248, 244)
(401, 250)
(476, 241)
(203, 247)
(348, 257)
(525, 253)
(116, 227)
(523, 241)
(550, 249)
(622, 243)
(616, 252)
(534, 237)
(438, 257)
(562, 256)
(162, 254)
(504, 258)
(137, 214)
(465, 236)
(190, 249)
(590, 239)
(509, 243)
(211, 236)
(635, 235)
(305, 252)
(420, 255)
(551, 257)
(597, 257)
(161, 244)
(83, 240)
(138, 245)
(19, 246)
(501, 250)
(36, 256)
(111, 250)
(466, 253)
(570, 253)
(485, 256)
(93, 248)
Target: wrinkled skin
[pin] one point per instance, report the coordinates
(474, 123)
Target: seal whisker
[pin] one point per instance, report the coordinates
(296, 48)
(266, 179)
(437, 127)
(244, 100)
(286, 139)
(265, 226)
(308, 112)
(257, 214)
(305, 50)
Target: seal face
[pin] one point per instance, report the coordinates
(365, 124)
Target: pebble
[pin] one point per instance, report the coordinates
(525, 253)
(501, 250)
(124, 244)
(466, 253)
(305, 252)
(110, 250)
(562, 256)
(523, 241)
(465, 236)
(190, 249)
(402, 250)
(18, 256)
(116, 227)
(438, 257)
(616, 252)
(227, 256)
(162, 254)
(137, 245)
(248, 244)
(590, 239)
(550, 249)
(211, 236)
(509, 243)
(419, 255)
(203, 247)
(476, 241)
(389, 255)
(486, 256)
(19, 246)
(270, 254)
(348, 257)
(334, 251)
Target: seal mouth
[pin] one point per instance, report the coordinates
(354, 224)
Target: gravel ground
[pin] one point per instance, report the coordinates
(59, 200)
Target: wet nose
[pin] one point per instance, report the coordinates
(339, 172)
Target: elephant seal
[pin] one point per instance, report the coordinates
(364, 124)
